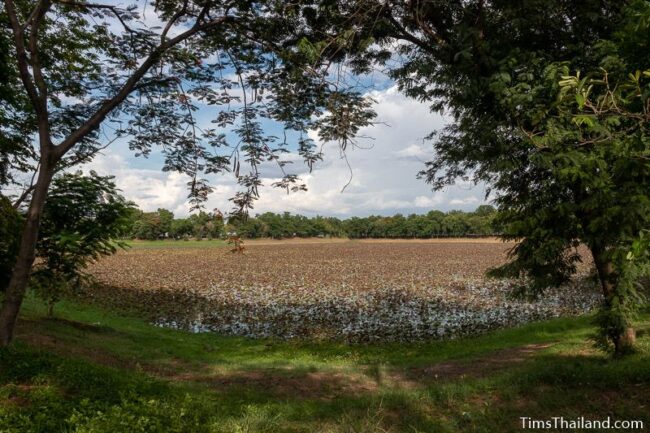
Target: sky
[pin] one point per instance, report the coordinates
(382, 179)
(381, 173)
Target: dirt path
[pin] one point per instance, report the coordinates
(495, 362)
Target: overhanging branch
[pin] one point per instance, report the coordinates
(95, 120)
(113, 9)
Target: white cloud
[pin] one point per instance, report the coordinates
(383, 180)
(464, 201)
(415, 150)
(429, 201)
(150, 189)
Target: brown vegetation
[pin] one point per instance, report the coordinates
(354, 290)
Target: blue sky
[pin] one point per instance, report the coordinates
(383, 172)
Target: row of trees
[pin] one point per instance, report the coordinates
(162, 224)
(481, 222)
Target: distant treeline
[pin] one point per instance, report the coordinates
(162, 224)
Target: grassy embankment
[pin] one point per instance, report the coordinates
(170, 243)
(91, 370)
(216, 243)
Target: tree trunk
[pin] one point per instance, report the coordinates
(625, 340)
(18, 284)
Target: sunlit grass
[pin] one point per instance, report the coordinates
(92, 370)
(171, 243)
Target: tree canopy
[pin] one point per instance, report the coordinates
(550, 106)
(150, 225)
(101, 73)
(81, 74)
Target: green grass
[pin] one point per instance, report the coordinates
(170, 243)
(91, 370)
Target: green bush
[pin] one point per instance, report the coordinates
(83, 216)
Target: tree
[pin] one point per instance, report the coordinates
(205, 224)
(133, 216)
(76, 67)
(82, 220)
(166, 218)
(485, 210)
(419, 226)
(566, 155)
(181, 228)
(597, 142)
(148, 226)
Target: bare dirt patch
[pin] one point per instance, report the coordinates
(495, 362)
(358, 265)
(312, 385)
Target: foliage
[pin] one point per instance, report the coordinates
(83, 217)
(147, 225)
(433, 224)
(565, 153)
(10, 225)
(278, 226)
(251, 63)
(595, 144)
(613, 111)
(162, 224)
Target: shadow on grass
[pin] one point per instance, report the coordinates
(96, 371)
(40, 391)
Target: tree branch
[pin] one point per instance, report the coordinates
(21, 57)
(406, 35)
(423, 25)
(32, 84)
(171, 22)
(28, 189)
(35, 21)
(93, 122)
(111, 8)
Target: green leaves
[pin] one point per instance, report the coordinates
(555, 117)
(584, 120)
(254, 64)
(83, 216)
